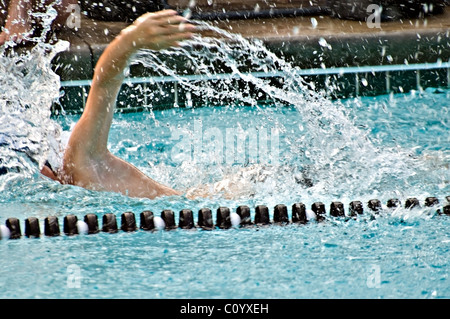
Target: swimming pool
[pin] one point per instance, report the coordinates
(397, 254)
(253, 142)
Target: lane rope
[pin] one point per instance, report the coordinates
(225, 218)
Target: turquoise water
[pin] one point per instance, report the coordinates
(398, 147)
(301, 147)
(333, 260)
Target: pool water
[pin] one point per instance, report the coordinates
(378, 259)
(398, 147)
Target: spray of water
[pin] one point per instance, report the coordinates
(326, 156)
(29, 88)
(337, 156)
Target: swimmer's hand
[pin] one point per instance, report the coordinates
(159, 30)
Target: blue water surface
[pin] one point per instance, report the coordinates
(395, 254)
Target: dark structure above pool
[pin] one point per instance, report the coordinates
(295, 30)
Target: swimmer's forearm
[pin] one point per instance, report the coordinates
(154, 31)
(90, 135)
(114, 60)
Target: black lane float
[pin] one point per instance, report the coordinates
(224, 218)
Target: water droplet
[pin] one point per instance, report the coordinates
(189, 102)
(323, 42)
(364, 82)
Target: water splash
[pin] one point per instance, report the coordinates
(340, 158)
(29, 89)
(28, 137)
(325, 154)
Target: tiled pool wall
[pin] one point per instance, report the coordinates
(343, 82)
(140, 96)
(352, 64)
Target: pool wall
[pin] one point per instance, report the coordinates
(299, 40)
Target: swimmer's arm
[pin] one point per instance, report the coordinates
(87, 161)
(154, 31)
